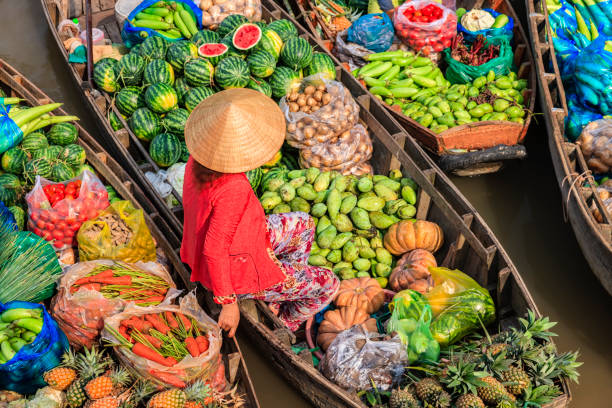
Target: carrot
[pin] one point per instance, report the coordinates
(136, 324)
(167, 378)
(151, 299)
(90, 286)
(82, 281)
(158, 323)
(186, 322)
(146, 352)
(171, 320)
(119, 280)
(157, 343)
(171, 360)
(104, 274)
(124, 333)
(203, 343)
(192, 346)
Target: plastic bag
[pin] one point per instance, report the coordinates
(10, 134)
(214, 11)
(338, 112)
(566, 51)
(81, 314)
(176, 175)
(6, 217)
(493, 35)
(425, 37)
(605, 194)
(410, 319)
(596, 144)
(593, 76)
(59, 224)
(24, 372)
(356, 360)
(351, 53)
(373, 31)
(460, 73)
(578, 116)
(119, 232)
(186, 370)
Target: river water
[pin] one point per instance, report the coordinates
(521, 204)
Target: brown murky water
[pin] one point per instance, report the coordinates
(522, 205)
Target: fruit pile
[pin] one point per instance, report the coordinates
(57, 192)
(172, 20)
(18, 327)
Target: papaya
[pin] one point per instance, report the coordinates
(321, 196)
(371, 203)
(342, 264)
(340, 240)
(407, 211)
(360, 218)
(333, 203)
(392, 206)
(324, 252)
(348, 203)
(380, 220)
(334, 256)
(342, 222)
(395, 174)
(366, 252)
(298, 182)
(299, 204)
(270, 202)
(379, 177)
(326, 237)
(383, 282)
(322, 181)
(294, 174)
(382, 269)
(314, 248)
(317, 260)
(275, 184)
(346, 273)
(318, 210)
(352, 184)
(362, 274)
(376, 242)
(361, 242)
(392, 185)
(339, 183)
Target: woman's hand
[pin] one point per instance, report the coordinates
(229, 318)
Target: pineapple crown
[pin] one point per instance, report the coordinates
(541, 395)
(198, 391)
(91, 363)
(545, 367)
(536, 328)
(141, 390)
(496, 363)
(120, 376)
(462, 377)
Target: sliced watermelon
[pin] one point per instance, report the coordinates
(213, 52)
(246, 36)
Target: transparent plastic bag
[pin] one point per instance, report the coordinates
(596, 144)
(214, 11)
(81, 313)
(189, 368)
(338, 112)
(605, 194)
(356, 360)
(372, 31)
(119, 232)
(59, 224)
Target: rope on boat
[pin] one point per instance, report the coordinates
(579, 178)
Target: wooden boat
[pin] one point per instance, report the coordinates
(466, 150)
(574, 178)
(112, 173)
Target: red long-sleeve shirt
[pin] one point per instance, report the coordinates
(225, 240)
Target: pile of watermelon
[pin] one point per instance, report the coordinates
(157, 84)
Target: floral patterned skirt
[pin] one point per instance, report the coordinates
(307, 289)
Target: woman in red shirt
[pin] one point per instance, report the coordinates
(233, 249)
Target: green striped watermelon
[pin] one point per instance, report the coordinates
(180, 52)
(254, 177)
(195, 96)
(199, 72)
(273, 173)
(63, 134)
(130, 69)
(246, 36)
(10, 181)
(205, 37)
(181, 87)
(145, 124)
(13, 160)
(34, 141)
(19, 215)
(37, 167)
(232, 72)
(73, 154)
(136, 49)
(230, 23)
(270, 41)
(213, 52)
(284, 28)
(322, 64)
(46, 152)
(158, 71)
(184, 152)
(260, 85)
(260, 24)
(8, 196)
(296, 53)
(129, 99)
(105, 74)
(80, 169)
(283, 81)
(261, 64)
(161, 98)
(54, 152)
(231, 50)
(174, 122)
(290, 161)
(154, 48)
(114, 120)
(61, 171)
(165, 149)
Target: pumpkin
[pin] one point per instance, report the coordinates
(407, 235)
(336, 321)
(412, 272)
(365, 293)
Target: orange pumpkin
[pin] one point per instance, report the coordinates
(365, 293)
(406, 235)
(336, 321)
(412, 271)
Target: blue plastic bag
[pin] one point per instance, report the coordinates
(578, 117)
(24, 372)
(135, 35)
(563, 19)
(372, 31)
(491, 34)
(6, 218)
(566, 51)
(593, 76)
(10, 134)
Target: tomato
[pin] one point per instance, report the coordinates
(41, 224)
(438, 47)
(61, 225)
(69, 197)
(420, 43)
(57, 234)
(46, 235)
(74, 227)
(68, 240)
(58, 244)
(92, 213)
(82, 217)
(446, 42)
(37, 232)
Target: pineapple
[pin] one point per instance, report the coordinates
(75, 394)
(60, 378)
(106, 385)
(515, 379)
(141, 390)
(469, 401)
(440, 400)
(493, 392)
(496, 348)
(402, 398)
(90, 364)
(427, 388)
(106, 402)
(196, 393)
(461, 377)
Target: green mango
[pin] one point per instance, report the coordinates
(318, 210)
(392, 185)
(287, 192)
(346, 273)
(352, 184)
(362, 274)
(311, 174)
(365, 184)
(348, 203)
(360, 218)
(342, 264)
(361, 264)
(275, 184)
(340, 240)
(395, 174)
(392, 206)
(324, 251)
(407, 181)
(383, 282)
(409, 195)
(342, 222)
(383, 256)
(382, 270)
(345, 194)
(339, 183)
(281, 208)
(366, 252)
(270, 202)
(376, 242)
(322, 181)
(379, 177)
(350, 252)
(314, 248)
(334, 201)
(299, 204)
(306, 192)
(381, 220)
(295, 174)
(371, 203)
(298, 182)
(334, 256)
(323, 223)
(317, 260)
(407, 211)
(361, 242)
(321, 196)
(385, 192)
(325, 238)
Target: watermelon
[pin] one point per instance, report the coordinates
(73, 154)
(290, 162)
(296, 53)
(213, 52)
(153, 48)
(63, 134)
(230, 23)
(34, 141)
(19, 215)
(61, 171)
(261, 64)
(13, 160)
(274, 172)
(161, 98)
(231, 50)
(36, 167)
(260, 85)
(129, 99)
(181, 87)
(232, 72)
(322, 64)
(165, 149)
(136, 49)
(10, 181)
(105, 74)
(184, 152)
(199, 72)
(205, 37)
(114, 120)
(270, 41)
(246, 36)
(283, 81)
(254, 176)
(174, 122)
(158, 71)
(8, 196)
(46, 152)
(180, 52)
(80, 169)
(54, 152)
(130, 69)
(145, 124)
(284, 28)
(195, 96)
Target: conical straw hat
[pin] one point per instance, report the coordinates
(235, 130)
